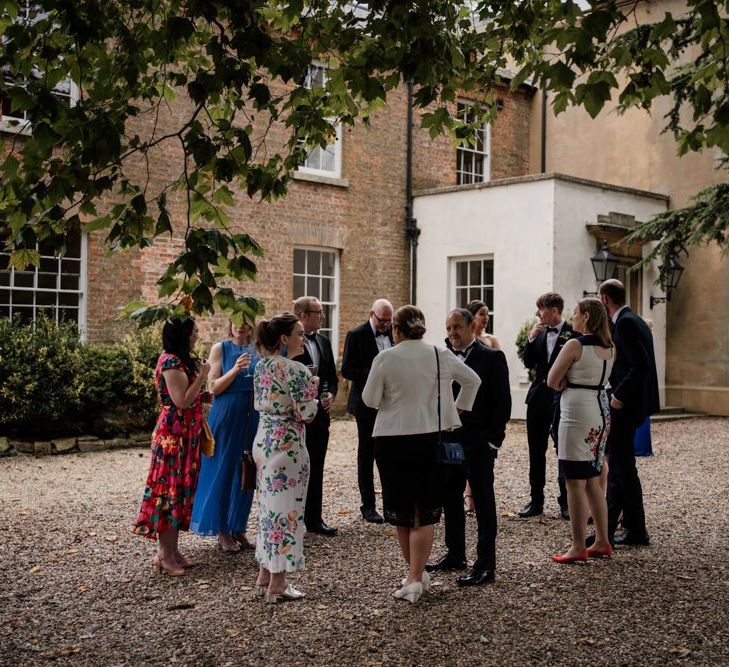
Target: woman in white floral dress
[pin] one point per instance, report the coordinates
(285, 395)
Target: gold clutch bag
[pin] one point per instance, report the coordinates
(207, 441)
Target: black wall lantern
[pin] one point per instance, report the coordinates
(604, 265)
(670, 274)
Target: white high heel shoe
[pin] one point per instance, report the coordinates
(289, 594)
(425, 580)
(411, 592)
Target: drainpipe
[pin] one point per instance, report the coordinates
(411, 224)
(544, 130)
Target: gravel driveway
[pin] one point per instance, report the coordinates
(77, 587)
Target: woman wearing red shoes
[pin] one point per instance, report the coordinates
(580, 373)
(175, 464)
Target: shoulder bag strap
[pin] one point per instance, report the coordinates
(437, 382)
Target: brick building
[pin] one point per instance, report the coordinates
(339, 234)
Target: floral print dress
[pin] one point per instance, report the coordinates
(285, 397)
(175, 463)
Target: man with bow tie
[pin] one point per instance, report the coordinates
(361, 346)
(546, 339)
(317, 352)
(482, 431)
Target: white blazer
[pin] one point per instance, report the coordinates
(402, 387)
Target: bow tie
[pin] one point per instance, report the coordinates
(552, 329)
(463, 353)
(311, 336)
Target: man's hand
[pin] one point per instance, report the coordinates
(327, 400)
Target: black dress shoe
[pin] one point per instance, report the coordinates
(321, 529)
(628, 539)
(564, 513)
(530, 510)
(447, 563)
(476, 577)
(370, 514)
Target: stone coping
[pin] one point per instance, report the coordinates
(80, 443)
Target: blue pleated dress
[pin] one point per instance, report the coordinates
(219, 505)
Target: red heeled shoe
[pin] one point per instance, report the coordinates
(566, 560)
(602, 552)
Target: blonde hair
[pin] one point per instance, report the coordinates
(597, 322)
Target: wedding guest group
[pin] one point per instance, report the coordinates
(580, 373)
(317, 355)
(544, 344)
(221, 507)
(175, 460)
(402, 385)
(362, 345)
(634, 396)
(481, 434)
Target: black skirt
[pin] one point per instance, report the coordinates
(578, 469)
(412, 479)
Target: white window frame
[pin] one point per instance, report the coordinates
(336, 172)
(454, 261)
(330, 324)
(473, 151)
(82, 290)
(21, 124)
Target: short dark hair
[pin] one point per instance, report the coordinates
(465, 313)
(268, 332)
(551, 300)
(614, 290)
(410, 322)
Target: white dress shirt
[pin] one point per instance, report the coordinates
(402, 387)
(313, 350)
(552, 338)
(381, 340)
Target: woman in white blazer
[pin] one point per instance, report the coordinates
(402, 387)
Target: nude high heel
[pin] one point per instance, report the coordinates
(411, 592)
(425, 580)
(171, 571)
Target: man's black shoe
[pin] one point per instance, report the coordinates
(531, 510)
(321, 528)
(447, 563)
(370, 514)
(628, 539)
(476, 577)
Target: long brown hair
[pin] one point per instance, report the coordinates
(597, 321)
(410, 321)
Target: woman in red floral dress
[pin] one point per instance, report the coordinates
(175, 463)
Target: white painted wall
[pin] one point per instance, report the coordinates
(534, 228)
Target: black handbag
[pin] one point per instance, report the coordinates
(247, 464)
(449, 452)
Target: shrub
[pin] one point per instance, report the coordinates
(521, 340)
(39, 372)
(143, 348)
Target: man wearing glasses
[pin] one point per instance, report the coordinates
(362, 345)
(318, 357)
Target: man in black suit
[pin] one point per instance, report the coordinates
(361, 346)
(317, 351)
(482, 432)
(546, 339)
(634, 396)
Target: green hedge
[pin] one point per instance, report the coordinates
(51, 384)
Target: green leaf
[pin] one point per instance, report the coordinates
(23, 258)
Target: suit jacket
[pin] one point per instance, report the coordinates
(535, 356)
(486, 421)
(360, 349)
(634, 380)
(327, 371)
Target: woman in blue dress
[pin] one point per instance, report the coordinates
(221, 508)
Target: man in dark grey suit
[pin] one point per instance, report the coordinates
(317, 352)
(634, 396)
(361, 346)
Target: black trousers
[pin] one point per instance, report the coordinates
(539, 419)
(317, 441)
(366, 457)
(624, 493)
(478, 470)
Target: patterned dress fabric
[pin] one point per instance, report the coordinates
(285, 398)
(175, 462)
(585, 412)
(220, 504)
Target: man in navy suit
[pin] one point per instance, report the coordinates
(318, 352)
(361, 346)
(546, 339)
(634, 396)
(481, 434)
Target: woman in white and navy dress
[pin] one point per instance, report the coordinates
(402, 387)
(581, 371)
